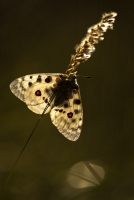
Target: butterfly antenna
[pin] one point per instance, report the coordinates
(84, 76)
(19, 156)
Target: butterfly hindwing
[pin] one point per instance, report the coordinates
(38, 109)
(35, 90)
(68, 117)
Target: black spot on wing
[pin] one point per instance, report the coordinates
(73, 120)
(47, 90)
(48, 79)
(66, 105)
(39, 79)
(30, 84)
(79, 127)
(77, 101)
(46, 100)
(76, 111)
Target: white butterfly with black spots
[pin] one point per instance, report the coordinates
(59, 93)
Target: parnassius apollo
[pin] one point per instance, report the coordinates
(59, 93)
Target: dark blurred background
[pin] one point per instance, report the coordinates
(39, 36)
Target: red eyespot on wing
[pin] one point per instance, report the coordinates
(75, 91)
(70, 115)
(38, 93)
(61, 76)
(58, 79)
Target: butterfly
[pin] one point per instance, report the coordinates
(59, 93)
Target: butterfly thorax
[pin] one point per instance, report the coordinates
(64, 88)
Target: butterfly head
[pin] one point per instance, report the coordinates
(72, 76)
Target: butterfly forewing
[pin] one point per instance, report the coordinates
(35, 90)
